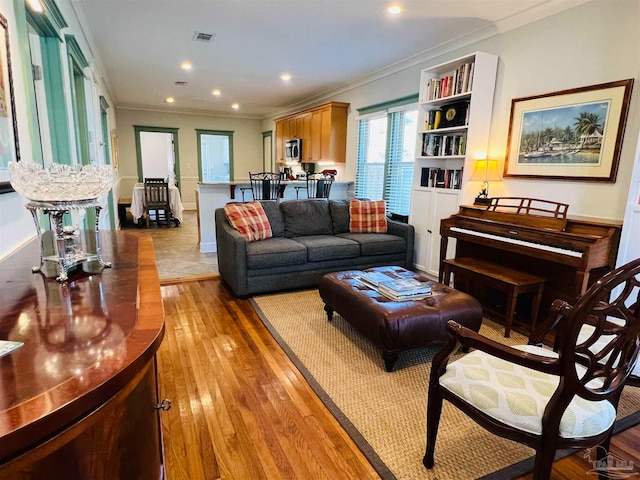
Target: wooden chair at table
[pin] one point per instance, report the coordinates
(156, 197)
(265, 186)
(571, 396)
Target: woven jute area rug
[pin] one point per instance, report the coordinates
(385, 413)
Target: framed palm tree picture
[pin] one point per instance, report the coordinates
(569, 135)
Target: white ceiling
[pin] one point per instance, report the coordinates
(324, 44)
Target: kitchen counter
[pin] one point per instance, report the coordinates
(217, 194)
(286, 183)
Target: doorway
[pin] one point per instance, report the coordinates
(157, 153)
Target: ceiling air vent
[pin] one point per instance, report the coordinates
(203, 37)
(181, 84)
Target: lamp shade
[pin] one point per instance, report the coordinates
(486, 170)
(493, 173)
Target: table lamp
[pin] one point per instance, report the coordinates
(485, 170)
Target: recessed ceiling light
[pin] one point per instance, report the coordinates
(235, 106)
(394, 9)
(186, 65)
(285, 76)
(169, 100)
(216, 92)
(35, 6)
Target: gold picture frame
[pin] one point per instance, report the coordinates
(9, 146)
(571, 134)
(114, 148)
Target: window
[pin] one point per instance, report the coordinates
(386, 152)
(215, 155)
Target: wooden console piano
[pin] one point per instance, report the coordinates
(536, 237)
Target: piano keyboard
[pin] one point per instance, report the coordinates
(539, 246)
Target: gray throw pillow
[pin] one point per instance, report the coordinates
(339, 215)
(306, 217)
(274, 215)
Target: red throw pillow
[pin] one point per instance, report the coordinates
(367, 216)
(249, 219)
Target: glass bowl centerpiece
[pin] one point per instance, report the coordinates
(60, 183)
(58, 190)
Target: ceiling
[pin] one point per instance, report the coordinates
(324, 45)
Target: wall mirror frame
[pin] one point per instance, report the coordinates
(9, 147)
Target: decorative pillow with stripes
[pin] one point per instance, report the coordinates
(367, 216)
(249, 219)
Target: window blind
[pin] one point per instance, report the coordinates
(386, 152)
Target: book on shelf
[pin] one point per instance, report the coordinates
(455, 83)
(441, 177)
(443, 145)
(7, 346)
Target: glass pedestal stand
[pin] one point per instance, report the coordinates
(67, 244)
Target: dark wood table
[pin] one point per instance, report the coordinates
(79, 400)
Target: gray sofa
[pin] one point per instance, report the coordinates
(310, 238)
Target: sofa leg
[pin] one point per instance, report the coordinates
(329, 311)
(389, 360)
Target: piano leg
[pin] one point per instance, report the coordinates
(444, 243)
(582, 283)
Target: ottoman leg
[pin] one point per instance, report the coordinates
(389, 359)
(329, 311)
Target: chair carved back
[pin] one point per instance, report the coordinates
(597, 342)
(600, 333)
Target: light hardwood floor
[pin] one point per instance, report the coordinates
(242, 411)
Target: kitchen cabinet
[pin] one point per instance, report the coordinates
(323, 130)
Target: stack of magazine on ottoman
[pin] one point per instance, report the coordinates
(396, 288)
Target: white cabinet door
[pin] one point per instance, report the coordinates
(445, 204)
(422, 221)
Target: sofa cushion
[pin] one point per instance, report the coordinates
(275, 252)
(377, 243)
(339, 215)
(367, 216)
(249, 220)
(329, 247)
(272, 209)
(306, 217)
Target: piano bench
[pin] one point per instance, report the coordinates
(504, 279)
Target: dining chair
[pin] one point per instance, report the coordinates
(547, 399)
(319, 185)
(265, 185)
(156, 196)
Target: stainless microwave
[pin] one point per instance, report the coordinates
(293, 150)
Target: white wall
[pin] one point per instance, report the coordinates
(593, 43)
(16, 225)
(247, 145)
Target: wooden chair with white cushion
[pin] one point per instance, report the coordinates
(547, 399)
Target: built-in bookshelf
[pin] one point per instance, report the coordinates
(454, 115)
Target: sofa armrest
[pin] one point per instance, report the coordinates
(232, 254)
(407, 232)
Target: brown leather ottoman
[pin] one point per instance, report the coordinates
(397, 326)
